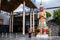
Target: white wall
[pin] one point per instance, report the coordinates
(5, 17)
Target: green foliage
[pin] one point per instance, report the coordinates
(57, 15)
(48, 14)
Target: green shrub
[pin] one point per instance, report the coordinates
(57, 15)
(48, 14)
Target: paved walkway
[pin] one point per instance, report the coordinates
(17, 36)
(54, 27)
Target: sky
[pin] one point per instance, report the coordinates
(46, 4)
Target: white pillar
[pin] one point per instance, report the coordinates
(24, 18)
(33, 23)
(12, 22)
(30, 18)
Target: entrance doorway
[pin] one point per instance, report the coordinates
(18, 25)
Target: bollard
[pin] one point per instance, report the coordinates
(10, 35)
(6, 34)
(16, 35)
(2, 35)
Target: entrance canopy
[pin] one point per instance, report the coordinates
(11, 5)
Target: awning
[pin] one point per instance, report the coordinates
(11, 5)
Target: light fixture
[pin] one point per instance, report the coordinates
(8, 0)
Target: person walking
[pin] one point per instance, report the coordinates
(30, 32)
